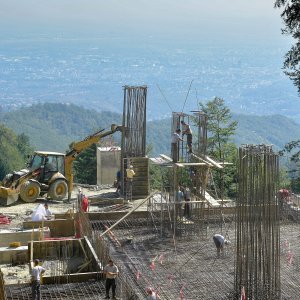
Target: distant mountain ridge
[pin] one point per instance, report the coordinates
(274, 130)
(53, 126)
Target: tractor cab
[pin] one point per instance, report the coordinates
(49, 179)
(50, 163)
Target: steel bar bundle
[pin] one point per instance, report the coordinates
(257, 225)
(134, 120)
(201, 120)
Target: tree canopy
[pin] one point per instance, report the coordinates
(291, 18)
(85, 166)
(14, 150)
(221, 128)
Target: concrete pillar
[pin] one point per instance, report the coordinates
(108, 164)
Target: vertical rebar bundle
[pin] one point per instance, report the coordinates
(257, 224)
(2, 289)
(201, 120)
(134, 120)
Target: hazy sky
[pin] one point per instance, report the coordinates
(246, 18)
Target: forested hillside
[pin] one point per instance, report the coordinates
(276, 130)
(15, 147)
(54, 126)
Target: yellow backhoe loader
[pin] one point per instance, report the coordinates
(48, 173)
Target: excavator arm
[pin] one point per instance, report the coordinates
(78, 147)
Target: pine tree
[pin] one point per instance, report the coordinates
(221, 129)
(220, 126)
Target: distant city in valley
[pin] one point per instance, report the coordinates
(92, 72)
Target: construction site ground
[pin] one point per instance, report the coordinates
(189, 266)
(22, 211)
(184, 267)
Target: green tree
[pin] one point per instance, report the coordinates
(284, 178)
(14, 150)
(291, 151)
(291, 19)
(85, 166)
(221, 129)
(24, 146)
(295, 185)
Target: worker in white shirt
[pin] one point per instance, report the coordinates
(47, 211)
(36, 274)
(41, 213)
(220, 241)
(111, 271)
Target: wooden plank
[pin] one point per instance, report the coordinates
(211, 200)
(180, 165)
(94, 254)
(201, 159)
(69, 278)
(165, 157)
(192, 164)
(82, 248)
(225, 163)
(116, 215)
(58, 228)
(214, 162)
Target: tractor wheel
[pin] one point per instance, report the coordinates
(30, 191)
(58, 190)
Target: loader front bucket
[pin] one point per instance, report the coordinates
(8, 196)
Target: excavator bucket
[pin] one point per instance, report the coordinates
(8, 196)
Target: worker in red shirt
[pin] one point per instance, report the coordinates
(85, 203)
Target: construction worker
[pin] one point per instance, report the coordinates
(129, 179)
(150, 294)
(186, 129)
(178, 202)
(85, 203)
(187, 200)
(40, 214)
(48, 213)
(36, 274)
(130, 173)
(174, 143)
(220, 241)
(118, 182)
(50, 164)
(111, 271)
